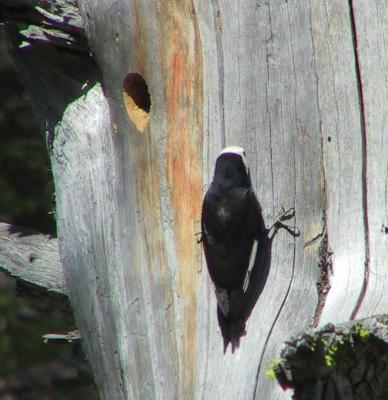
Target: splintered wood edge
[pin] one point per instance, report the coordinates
(32, 257)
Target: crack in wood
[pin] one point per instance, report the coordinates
(220, 62)
(259, 368)
(268, 55)
(315, 238)
(326, 271)
(364, 160)
(325, 263)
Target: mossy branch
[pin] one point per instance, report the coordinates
(335, 362)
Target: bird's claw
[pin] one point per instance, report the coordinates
(199, 237)
(286, 215)
(292, 230)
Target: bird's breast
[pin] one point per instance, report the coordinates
(223, 213)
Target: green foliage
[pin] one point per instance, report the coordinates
(330, 355)
(313, 345)
(332, 345)
(362, 332)
(270, 371)
(329, 360)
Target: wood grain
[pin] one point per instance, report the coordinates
(341, 127)
(32, 257)
(373, 62)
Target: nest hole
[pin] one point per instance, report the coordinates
(137, 100)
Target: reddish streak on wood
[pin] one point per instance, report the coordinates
(184, 171)
(176, 72)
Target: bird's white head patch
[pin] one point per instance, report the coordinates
(236, 150)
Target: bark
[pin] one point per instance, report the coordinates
(347, 361)
(134, 125)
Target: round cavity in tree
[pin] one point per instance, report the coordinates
(137, 100)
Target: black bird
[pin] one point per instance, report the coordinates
(232, 224)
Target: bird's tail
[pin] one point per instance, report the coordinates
(232, 330)
(231, 318)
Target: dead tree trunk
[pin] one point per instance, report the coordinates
(134, 124)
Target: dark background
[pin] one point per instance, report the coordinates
(30, 369)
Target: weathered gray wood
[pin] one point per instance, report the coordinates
(286, 80)
(270, 109)
(69, 337)
(371, 20)
(341, 132)
(31, 257)
(56, 23)
(360, 246)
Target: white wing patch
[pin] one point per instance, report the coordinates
(250, 266)
(208, 237)
(222, 294)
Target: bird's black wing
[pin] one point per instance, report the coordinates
(257, 228)
(228, 241)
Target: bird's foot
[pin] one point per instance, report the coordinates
(284, 216)
(198, 235)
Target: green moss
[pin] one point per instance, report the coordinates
(329, 360)
(313, 345)
(331, 347)
(362, 332)
(270, 371)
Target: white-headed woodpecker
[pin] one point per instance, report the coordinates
(232, 224)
